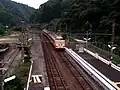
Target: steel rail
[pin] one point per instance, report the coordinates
(64, 57)
(53, 65)
(13, 56)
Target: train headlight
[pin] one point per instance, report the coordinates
(56, 44)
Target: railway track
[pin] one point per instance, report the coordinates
(62, 74)
(10, 60)
(82, 73)
(55, 78)
(80, 80)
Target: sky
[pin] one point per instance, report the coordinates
(32, 3)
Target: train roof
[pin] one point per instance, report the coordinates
(59, 37)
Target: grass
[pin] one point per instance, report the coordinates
(11, 32)
(116, 60)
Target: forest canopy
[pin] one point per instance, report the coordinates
(75, 13)
(11, 13)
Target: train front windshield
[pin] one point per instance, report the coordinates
(59, 38)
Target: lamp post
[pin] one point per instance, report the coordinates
(90, 27)
(60, 26)
(87, 39)
(67, 35)
(111, 51)
(65, 27)
(112, 44)
(87, 34)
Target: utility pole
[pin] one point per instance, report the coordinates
(67, 35)
(65, 27)
(113, 33)
(112, 39)
(112, 43)
(61, 26)
(87, 34)
(87, 39)
(22, 41)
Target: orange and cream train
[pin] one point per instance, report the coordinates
(57, 40)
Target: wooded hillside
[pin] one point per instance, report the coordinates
(12, 12)
(75, 13)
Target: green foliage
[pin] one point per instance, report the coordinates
(21, 77)
(12, 12)
(21, 74)
(17, 29)
(49, 11)
(3, 30)
(116, 60)
(75, 13)
(100, 13)
(15, 84)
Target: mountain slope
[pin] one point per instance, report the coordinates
(12, 12)
(74, 14)
(49, 11)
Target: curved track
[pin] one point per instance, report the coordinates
(62, 74)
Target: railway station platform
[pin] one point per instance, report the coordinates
(39, 78)
(106, 70)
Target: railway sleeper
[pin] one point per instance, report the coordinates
(57, 78)
(55, 74)
(84, 84)
(54, 71)
(75, 72)
(58, 88)
(58, 83)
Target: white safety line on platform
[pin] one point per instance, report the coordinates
(37, 78)
(98, 57)
(91, 70)
(102, 59)
(29, 75)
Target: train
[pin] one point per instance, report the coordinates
(57, 40)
